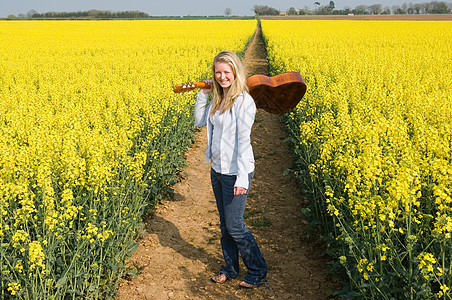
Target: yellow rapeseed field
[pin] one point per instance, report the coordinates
(373, 140)
(91, 134)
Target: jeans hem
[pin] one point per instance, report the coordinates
(256, 282)
(227, 273)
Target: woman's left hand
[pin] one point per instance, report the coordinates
(239, 191)
(207, 90)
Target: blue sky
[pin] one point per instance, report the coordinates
(175, 7)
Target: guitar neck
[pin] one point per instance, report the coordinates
(190, 86)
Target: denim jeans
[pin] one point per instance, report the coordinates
(235, 236)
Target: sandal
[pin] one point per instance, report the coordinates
(243, 284)
(219, 278)
(247, 285)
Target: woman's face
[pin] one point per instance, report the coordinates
(224, 75)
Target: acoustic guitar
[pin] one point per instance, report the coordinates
(276, 94)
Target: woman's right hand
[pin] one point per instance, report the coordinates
(207, 90)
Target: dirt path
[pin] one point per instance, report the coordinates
(181, 250)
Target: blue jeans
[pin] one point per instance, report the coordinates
(235, 236)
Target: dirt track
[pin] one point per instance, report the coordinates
(181, 250)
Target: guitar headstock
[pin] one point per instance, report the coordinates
(184, 87)
(190, 86)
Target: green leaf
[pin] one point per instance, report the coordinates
(61, 282)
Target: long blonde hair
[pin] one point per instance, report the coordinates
(237, 86)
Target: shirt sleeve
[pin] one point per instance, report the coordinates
(245, 118)
(200, 109)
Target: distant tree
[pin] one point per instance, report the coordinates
(264, 10)
(227, 12)
(331, 5)
(436, 7)
(347, 10)
(405, 8)
(411, 10)
(306, 11)
(397, 10)
(292, 11)
(94, 13)
(417, 8)
(317, 3)
(375, 9)
(361, 10)
(31, 13)
(21, 16)
(386, 11)
(323, 10)
(12, 17)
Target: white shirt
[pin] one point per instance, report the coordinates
(229, 136)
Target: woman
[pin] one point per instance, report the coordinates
(229, 118)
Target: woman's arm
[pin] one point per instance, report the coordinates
(245, 119)
(200, 106)
(200, 109)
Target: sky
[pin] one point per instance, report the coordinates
(176, 7)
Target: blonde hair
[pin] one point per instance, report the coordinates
(237, 86)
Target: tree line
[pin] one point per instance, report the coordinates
(91, 14)
(433, 7)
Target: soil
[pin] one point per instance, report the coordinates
(432, 17)
(181, 248)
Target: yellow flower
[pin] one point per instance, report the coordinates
(35, 255)
(19, 237)
(362, 264)
(13, 288)
(444, 288)
(366, 276)
(19, 266)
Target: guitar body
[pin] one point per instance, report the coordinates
(277, 94)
